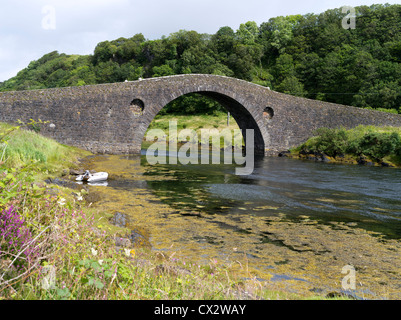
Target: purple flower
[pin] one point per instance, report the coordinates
(14, 235)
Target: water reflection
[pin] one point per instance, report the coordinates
(369, 197)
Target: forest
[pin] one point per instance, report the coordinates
(310, 56)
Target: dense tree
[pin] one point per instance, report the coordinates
(308, 55)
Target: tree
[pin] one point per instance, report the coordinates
(104, 51)
(291, 85)
(162, 71)
(223, 42)
(247, 33)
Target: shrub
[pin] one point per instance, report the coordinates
(376, 145)
(332, 142)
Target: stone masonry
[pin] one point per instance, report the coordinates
(113, 118)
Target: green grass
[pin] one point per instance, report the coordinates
(25, 147)
(197, 123)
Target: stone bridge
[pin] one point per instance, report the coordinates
(113, 118)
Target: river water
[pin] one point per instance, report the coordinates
(294, 223)
(370, 197)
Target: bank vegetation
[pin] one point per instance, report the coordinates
(54, 245)
(365, 145)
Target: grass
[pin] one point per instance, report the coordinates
(217, 121)
(68, 249)
(197, 123)
(21, 147)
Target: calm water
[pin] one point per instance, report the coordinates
(367, 196)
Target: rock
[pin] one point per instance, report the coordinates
(341, 294)
(123, 242)
(120, 220)
(62, 183)
(363, 161)
(324, 158)
(385, 164)
(137, 239)
(284, 153)
(172, 270)
(191, 214)
(76, 172)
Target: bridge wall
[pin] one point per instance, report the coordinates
(107, 118)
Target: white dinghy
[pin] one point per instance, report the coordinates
(95, 177)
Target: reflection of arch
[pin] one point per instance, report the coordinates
(240, 113)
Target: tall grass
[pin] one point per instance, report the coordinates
(22, 147)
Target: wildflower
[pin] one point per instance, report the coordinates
(100, 262)
(61, 202)
(127, 252)
(94, 252)
(14, 235)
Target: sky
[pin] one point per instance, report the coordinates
(31, 28)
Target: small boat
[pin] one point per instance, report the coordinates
(95, 177)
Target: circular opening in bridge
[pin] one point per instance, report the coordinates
(137, 105)
(268, 113)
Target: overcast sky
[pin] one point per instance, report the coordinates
(30, 29)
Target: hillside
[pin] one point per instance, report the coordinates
(306, 55)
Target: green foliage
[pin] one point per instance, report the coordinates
(21, 147)
(363, 141)
(332, 142)
(376, 145)
(191, 104)
(306, 55)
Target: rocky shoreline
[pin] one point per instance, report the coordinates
(345, 159)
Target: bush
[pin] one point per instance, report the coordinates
(332, 142)
(376, 145)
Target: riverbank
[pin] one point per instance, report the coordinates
(363, 145)
(57, 244)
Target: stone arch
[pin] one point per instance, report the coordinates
(238, 110)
